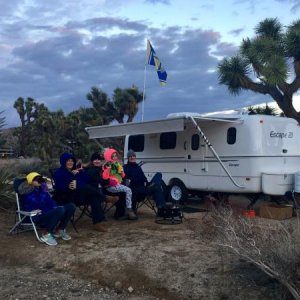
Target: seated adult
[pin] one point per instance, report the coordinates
(35, 196)
(94, 170)
(140, 186)
(71, 184)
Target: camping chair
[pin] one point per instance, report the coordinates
(23, 219)
(147, 201)
(84, 209)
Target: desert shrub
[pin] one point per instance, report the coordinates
(272, 247)
(6, 189)
(21, 167)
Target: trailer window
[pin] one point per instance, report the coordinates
(231, 135)
(195, 141)
(136, 142)
(167, 140)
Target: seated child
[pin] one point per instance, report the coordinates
(113, 170)
(35, 196)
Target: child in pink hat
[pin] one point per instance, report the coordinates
(113, 170)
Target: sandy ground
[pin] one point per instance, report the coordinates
(133, 260)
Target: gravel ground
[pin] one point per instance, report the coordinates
(133, 260)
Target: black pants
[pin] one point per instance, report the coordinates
(89, 195)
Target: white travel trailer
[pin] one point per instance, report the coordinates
(228, 153)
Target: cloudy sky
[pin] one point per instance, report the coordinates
(55, 51)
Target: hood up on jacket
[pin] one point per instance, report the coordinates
(25, 188)
(108, 153)
(66, 156)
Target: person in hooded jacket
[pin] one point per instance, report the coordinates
(34, 195)
(72, 184)
(113, 171)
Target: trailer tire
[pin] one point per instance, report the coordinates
(177, 192)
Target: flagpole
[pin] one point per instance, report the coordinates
(143, 101)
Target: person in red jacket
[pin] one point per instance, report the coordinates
(113, 171)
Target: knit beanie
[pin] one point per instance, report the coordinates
(95, 156)
(130, 153)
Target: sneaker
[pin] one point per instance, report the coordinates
(131, 215)
(100, 227)
(49, 239)
(62, 233)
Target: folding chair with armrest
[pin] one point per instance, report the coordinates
(147, 201)
(23, 219)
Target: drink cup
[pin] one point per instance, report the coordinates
(73, 185)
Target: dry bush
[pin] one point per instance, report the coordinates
(273, 247)
(12, 168)
(6, 190)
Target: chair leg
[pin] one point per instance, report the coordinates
(19, 223)
(35, 230)
(16, 225)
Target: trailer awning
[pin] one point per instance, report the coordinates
(157, 126)
(135, 128)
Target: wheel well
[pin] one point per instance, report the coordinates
(174, 180)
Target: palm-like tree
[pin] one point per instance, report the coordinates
(126, 102)
(263, 110)
(268, 57)
(101, 104)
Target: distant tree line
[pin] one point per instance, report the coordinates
(46, 134)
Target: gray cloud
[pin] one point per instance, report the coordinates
(58, 62)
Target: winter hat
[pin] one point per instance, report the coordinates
(108, 153)
(30, 177)
(95, 156)
(130, 153)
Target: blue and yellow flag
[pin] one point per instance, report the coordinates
(153, 60)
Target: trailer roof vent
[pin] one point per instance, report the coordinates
(183, 114)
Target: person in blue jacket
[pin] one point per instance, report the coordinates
(140, 186)
(34, 195)
(72, 184)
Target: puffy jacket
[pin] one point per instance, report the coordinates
(115, 173)
(33, 198)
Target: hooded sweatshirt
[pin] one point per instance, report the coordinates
(62, 177)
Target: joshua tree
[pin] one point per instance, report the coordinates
(273, 57)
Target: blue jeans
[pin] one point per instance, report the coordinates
(59, 216)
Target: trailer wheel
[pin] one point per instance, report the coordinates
(177, 192)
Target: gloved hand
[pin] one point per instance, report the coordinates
(44, 187)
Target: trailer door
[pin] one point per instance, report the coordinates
(197, 166)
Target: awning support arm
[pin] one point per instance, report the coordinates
(214, 152)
